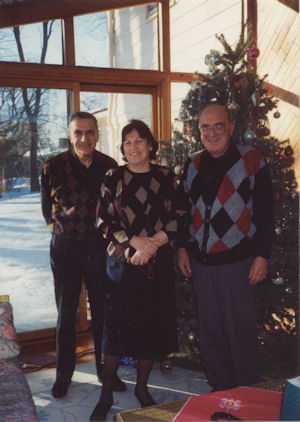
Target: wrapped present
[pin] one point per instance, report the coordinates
(291, 400)
(240, 403)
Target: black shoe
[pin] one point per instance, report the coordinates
(60, 388)
(101, 410)
(144, 397)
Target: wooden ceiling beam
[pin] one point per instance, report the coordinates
(23, 13)
(82, 74)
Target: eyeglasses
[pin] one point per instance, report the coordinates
(219, 128)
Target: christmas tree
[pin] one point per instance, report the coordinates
(232, 82)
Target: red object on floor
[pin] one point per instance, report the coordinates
(245, 403)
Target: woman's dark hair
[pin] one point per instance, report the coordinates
(144, 132)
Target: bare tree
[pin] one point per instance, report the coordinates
(32, 102)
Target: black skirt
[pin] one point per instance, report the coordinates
(140, 315)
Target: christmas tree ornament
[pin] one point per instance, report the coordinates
(268, 90)
(191, 336)
(248, 135)
(289, 151)
(253, 53)
(233, 106)
(254, 98)
(278, 280)
(166, 366)
(207, 59)
(278, 230)
(276, 114)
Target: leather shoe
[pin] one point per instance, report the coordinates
(60, 388)
(101, 410)
(144, 397)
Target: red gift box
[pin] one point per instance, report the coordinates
(245, 403)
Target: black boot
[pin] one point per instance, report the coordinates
(143, 396)
(141, 392)
(102, 407)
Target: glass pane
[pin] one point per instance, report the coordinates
(119, 109)
(193, 26)
(91, 40)
(33, 46)
(24, 254)
(121, 38)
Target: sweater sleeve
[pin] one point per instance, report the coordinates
(263, 213)
(109, 218)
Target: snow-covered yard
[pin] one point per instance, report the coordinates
(24, 260)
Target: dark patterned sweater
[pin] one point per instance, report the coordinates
(229, 206)
(138, 204)
(70, 192)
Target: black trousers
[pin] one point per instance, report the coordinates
(70, 262)
(227, 324)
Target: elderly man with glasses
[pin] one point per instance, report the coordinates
(224, 243)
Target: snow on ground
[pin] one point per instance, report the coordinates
(24, 260)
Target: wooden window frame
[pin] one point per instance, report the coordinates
(69, 76)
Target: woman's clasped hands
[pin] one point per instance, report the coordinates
(146, 247)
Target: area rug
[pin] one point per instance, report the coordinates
(84, 391)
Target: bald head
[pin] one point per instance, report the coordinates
(215, 129)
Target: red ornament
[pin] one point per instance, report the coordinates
(277, 196)
(289, 151)
(269, 90)
(253, 53)
(236, 84)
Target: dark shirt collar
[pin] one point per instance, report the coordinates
(228, 153)
(76, 159)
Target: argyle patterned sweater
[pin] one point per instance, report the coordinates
(70, 193)
(229, 206)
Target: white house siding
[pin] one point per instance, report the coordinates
(133, 43)
(193, 26)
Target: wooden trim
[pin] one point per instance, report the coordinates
(284, 95)
(292, 4)
(166, 36)
(252, 18)
(37, 334)
(68, 41)
(155, 116)
(129, 89)
(28, 83)
(165, 111)
(22, 13)
(92, 75)
(76, 97)
(181, 77)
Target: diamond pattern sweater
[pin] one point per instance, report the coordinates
(231, 204)
(138, 204)
(70, 192)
